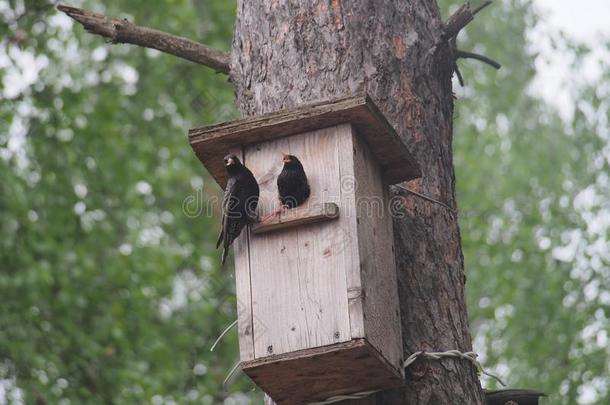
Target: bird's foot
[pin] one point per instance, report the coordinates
(277, 212)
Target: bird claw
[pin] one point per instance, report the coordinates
(277, 212)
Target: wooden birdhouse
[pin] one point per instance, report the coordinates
(316, 286)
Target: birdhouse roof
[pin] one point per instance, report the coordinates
(213, 142)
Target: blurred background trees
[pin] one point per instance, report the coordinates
(110, 287)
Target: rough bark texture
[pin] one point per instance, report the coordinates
(289, 52)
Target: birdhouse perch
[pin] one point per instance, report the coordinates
(317, 293)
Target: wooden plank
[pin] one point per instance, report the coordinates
(297, 274)
(269, 280)
(370, 400)
(351, 262)
(303, 118)
(318, 374)
(304, 215)
(245, 327)
(211, 143)
(379, 293)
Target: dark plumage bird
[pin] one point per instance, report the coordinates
(292, 183)
(513, 396)
(239, 203)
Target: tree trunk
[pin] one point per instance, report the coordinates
(286, 53)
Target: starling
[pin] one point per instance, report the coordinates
(239, 203)
(292, 183)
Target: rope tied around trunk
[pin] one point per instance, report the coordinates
(455, 354)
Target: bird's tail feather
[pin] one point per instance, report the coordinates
(220, 236)
(225, 248)
(227, 240)
(225, 252)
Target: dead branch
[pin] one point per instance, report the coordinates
(454, 24)
(481, 7)
(401, 190)
(461, 18)
(122, 31)
(456, 69)
(481, 58)
(458, 20)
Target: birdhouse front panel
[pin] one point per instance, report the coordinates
(298, 274)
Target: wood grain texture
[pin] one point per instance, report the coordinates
(245, 321)
(245, 326)
(286, 54)
(211, 143)
(351, 262)
(298, 274)
(321, 373)
(299, 216)
(379, 285)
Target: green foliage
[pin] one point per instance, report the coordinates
(111, 289)
(534, 220)
(110, 292)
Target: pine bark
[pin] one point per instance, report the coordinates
(286, 53)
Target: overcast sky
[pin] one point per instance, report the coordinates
(582, 20)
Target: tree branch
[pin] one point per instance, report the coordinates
(461, 18)
(454, 24)
(458, 20)
(482, 58)
(401, 190)
(456, 69)
(481, 7)
(123, 31)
